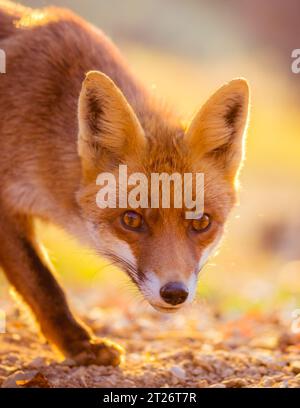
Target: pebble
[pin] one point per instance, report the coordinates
(235, 383)
(217, 385)
(10, 381)
(68, 362)
(178, 372)
(295, 367)
(38, 362)
(202, 384)
(284, 384)
(266, 342)
(16, 337)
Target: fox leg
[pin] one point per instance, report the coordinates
(29, 274)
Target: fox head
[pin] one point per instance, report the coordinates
(159, 248)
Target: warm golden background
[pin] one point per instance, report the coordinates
(185, 50)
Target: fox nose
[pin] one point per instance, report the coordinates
(174, 293)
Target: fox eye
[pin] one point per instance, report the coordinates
(201, 224)
(132, 220)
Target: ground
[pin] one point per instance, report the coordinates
(198, 348)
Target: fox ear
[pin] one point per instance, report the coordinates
(107, 123)
(217, 130)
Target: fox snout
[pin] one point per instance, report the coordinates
(168, 296)
(174, 293)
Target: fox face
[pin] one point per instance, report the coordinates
(159, 248)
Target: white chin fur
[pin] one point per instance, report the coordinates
(105, 240)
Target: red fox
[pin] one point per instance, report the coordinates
(70, 109)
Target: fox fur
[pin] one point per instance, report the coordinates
(70, 108)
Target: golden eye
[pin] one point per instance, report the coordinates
(201, 224)
(132, 220)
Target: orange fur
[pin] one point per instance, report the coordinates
(71, 108)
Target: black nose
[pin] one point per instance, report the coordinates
(174, 293)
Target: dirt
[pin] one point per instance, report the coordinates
(196, 348)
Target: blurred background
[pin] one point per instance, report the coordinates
(184, 50)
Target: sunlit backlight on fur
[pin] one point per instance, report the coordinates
(34, 19)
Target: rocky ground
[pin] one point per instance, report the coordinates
(197, 348)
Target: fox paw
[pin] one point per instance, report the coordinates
(98, 352)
